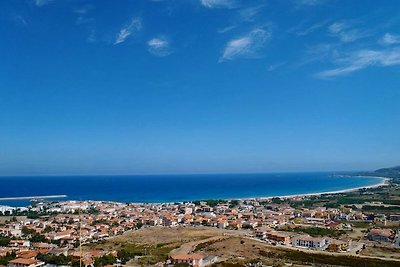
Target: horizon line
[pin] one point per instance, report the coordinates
(180, 173)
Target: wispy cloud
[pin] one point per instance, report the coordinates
(132, 27)
(302, 30)
(362, 59)
(92, 37)
(83, 9)
(310, 2)
(219, 3)
(344, 32)
(249, 13)
(40, 3)
(20, 20)
(390, 39)
(84, 20)
(226, 29)
(159, 47)
(246, 46)
(275, 66)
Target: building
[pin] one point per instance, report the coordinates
(380, 219)
(20, 262)
(195, 259)
(339, 245)
(306, 241)
(384, 235)
(394, 217)
(279, 237)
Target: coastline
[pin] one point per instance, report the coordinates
(385, 181)
(32, 197)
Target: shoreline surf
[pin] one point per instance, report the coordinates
(384, 182)
(32, 197)
(259, 195)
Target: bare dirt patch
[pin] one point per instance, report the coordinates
(3, 219)
(381, 252)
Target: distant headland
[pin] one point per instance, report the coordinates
(33, 197)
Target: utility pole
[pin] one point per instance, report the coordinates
(80, 236)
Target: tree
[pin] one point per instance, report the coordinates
(4, 241)
(9, 256)
(104, 260)
(54, 259)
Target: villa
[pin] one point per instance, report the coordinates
(305, 241)
(195, 259)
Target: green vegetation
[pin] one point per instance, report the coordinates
(104, 260)
(54, 259)
(233, 203)
(4, 260)
(210, 202)
(4, 241)
(227, 264)
(315, 231)
(33, 236)
(361, 224)
(303, 257)
(381, 208)
(129, 251)
(277, 200)
(393, 172)
(149, 255)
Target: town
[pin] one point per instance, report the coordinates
(72, 232)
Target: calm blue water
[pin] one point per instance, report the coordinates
(170, 188)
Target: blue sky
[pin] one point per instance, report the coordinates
(168, 86)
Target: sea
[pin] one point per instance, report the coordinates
(176, 188)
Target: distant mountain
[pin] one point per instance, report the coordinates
(393, 172)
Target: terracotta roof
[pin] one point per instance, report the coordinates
(195, 256)
(27, 254)
(23, 261)
(382, 232)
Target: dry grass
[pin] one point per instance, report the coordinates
(177, 235)
(381, 252)
(3, 219)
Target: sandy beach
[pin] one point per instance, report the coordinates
(33, 197)
(384, 182)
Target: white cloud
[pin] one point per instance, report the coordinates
(302, 30)
(159, 47)
(134, 26)
(390, 39)
(92, 37)
(248, 14)
(226, 29)
(275, 66)
(362, 59)
(246, 46)
(20, 20)
(218, 3)
(40, 3)
(344, 32)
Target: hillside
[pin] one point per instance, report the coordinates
(392, 172)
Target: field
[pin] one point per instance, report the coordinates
(233, 248)
(152, 245)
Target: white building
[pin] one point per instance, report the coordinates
(20, 262)
(305, 241)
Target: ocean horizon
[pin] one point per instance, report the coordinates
(175, 188)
